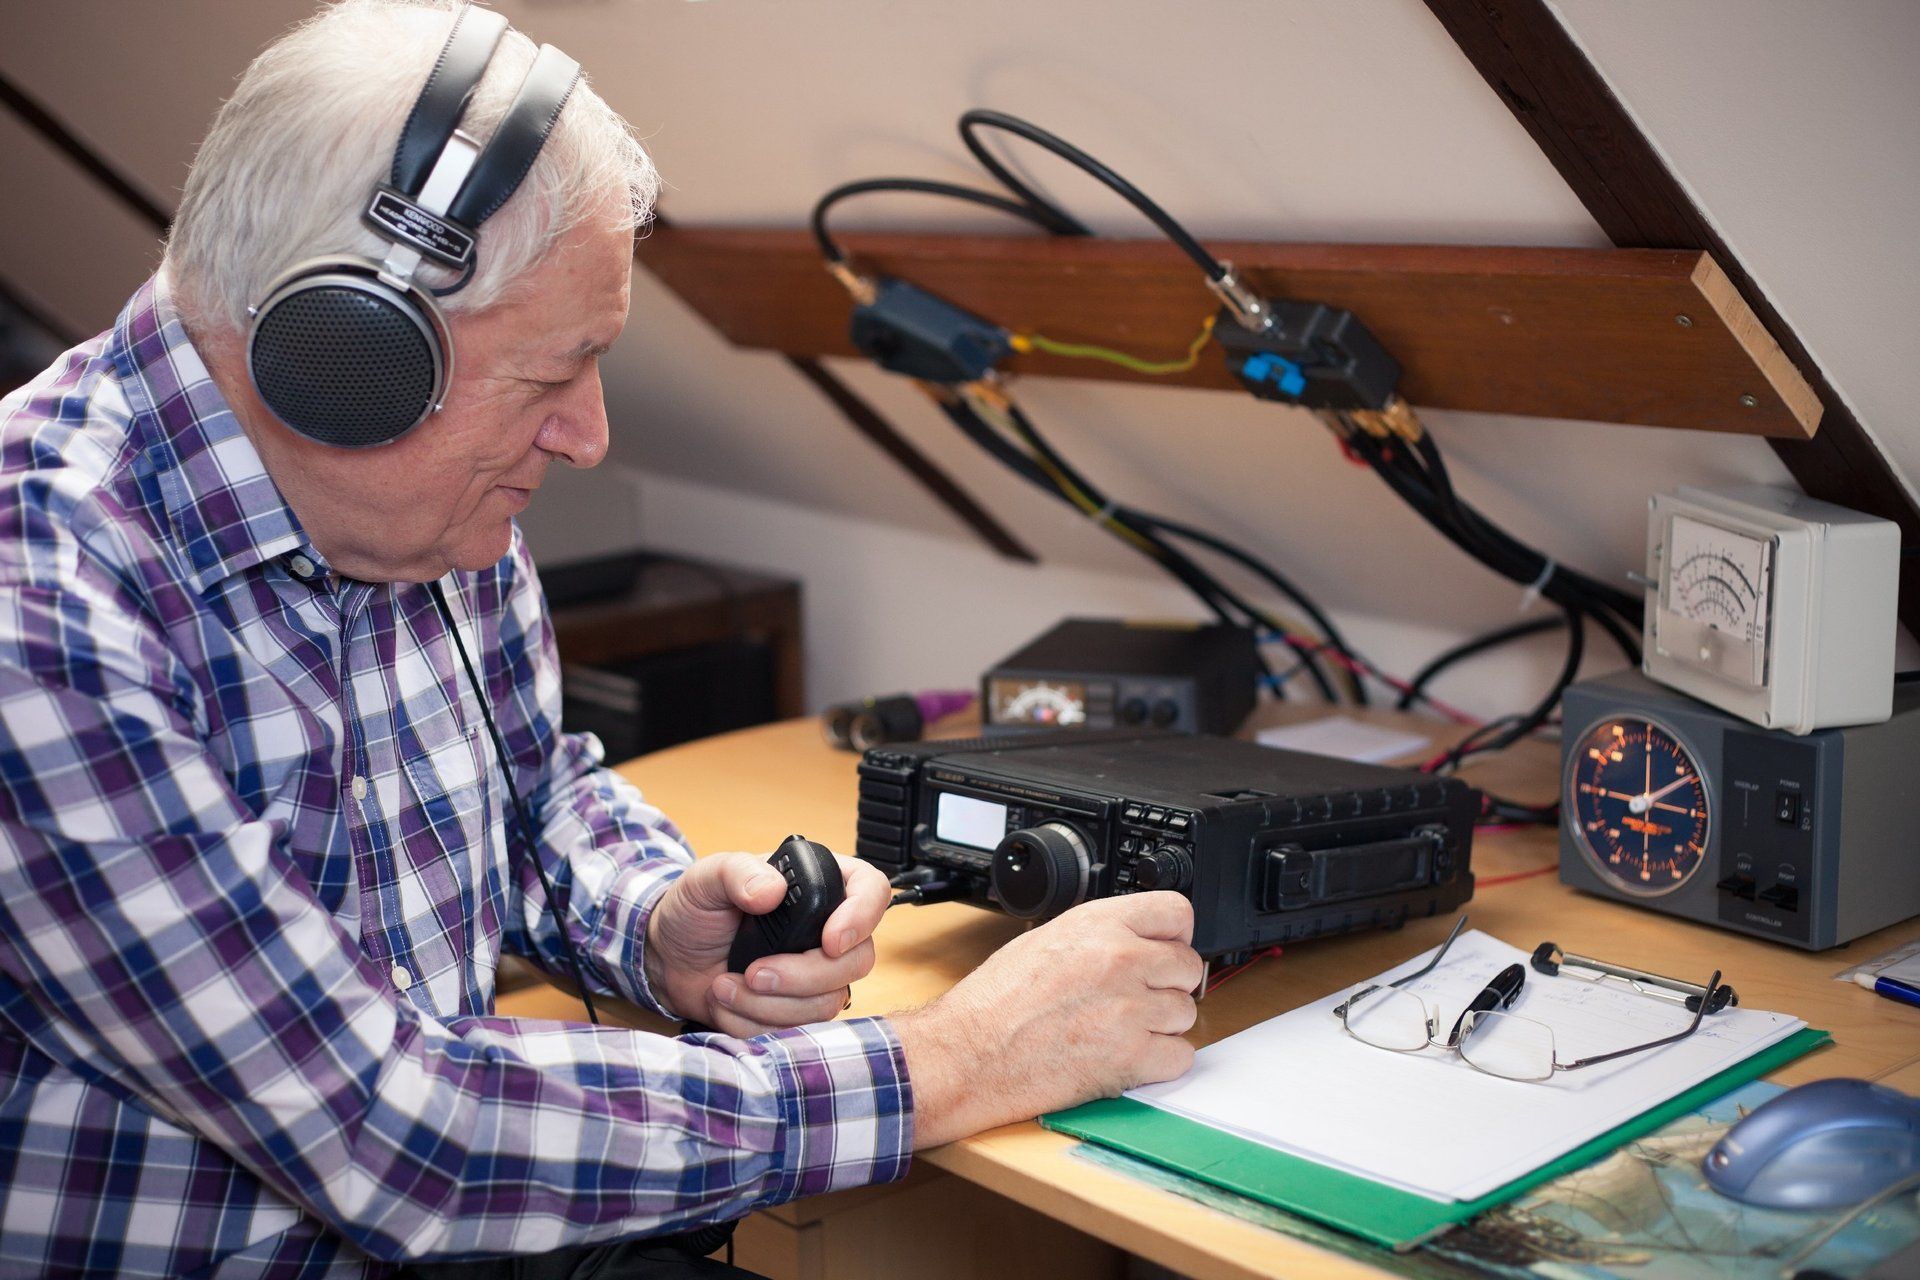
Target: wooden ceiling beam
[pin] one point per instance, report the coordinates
(1647, 337)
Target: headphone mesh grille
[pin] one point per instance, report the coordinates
(342, 366)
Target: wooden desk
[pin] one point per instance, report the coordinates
(749, 789)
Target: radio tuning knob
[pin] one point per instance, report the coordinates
(1166, 867)
(1040, 871)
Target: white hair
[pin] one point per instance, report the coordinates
(295, 153)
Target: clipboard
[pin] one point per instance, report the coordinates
(1387, 1216)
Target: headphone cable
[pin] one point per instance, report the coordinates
(519, 805)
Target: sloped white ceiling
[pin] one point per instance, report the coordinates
(1794, 127)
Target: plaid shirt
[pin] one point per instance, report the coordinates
(255, 881)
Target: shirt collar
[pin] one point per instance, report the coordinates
(224, 508)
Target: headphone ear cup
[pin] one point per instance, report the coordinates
(343, 358)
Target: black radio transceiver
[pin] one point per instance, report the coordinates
(1271, 846)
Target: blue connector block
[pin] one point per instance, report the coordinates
(1265, 366)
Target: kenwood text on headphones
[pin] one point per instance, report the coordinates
(354, 353)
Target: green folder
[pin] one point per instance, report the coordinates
(1385, 1215)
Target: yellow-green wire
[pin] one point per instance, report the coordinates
(1024, 342)
(983, 401)
(986, 401)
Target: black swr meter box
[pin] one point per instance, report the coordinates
(1271, 846)
(1096, 673)
(1676, 806)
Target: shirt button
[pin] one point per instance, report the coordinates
(302, 567)
(359, 787)
(401, 978)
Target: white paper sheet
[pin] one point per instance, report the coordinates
(1345, 738)
(1428, 1122)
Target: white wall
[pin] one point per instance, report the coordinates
(890, 609)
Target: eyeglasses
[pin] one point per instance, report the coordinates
(1495, 1042)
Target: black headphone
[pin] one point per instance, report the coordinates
(352, 352)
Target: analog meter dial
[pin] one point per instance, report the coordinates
(1060, 705)
(1637, 805)
(1716, 598)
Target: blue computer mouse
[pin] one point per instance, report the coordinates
(1824, 1145)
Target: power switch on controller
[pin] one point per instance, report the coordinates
(1786, 808)
(814, 889)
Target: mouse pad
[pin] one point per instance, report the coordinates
(1646, 1212)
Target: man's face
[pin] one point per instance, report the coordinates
(525, 391)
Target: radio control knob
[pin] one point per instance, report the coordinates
(1040, 871)
(1167, 867)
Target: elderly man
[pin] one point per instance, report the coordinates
(259, 848)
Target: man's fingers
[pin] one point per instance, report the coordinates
(1162, 914)
(854, 920)
(1170, 1013)
(723, 1018)
(810, 973)
(718, 882)
(1172, 966)
(1165, 1058)
(752, 885)
(735, 999)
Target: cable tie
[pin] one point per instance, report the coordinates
(1539, 584)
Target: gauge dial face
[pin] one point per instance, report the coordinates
(1719, 583)
(1055, 706)
(1637, 805)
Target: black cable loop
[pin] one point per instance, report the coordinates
(1514, 728)
(1416, 687)
(1169, 227)
(1142, 525)
(1218, 598)
(527, 831)
(830, 248)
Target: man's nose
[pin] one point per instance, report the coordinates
(577, 429)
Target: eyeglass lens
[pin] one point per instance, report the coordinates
(1389, 1019)
(1501, 1044)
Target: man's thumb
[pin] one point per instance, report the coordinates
(747, 884)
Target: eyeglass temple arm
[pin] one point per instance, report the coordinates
(1340, 1010)
(1713, 985)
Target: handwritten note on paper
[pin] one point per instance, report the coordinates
(1429, 1123)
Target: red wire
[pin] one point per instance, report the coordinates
(1240, 968)
(1363, 667)
(1491, 881)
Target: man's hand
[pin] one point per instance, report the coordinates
(691, 931)
(1087, 1005)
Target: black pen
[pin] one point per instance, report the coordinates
(1498, 994)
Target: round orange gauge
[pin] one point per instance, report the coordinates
(1637, 805)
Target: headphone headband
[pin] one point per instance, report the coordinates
(510, 153)
(443, 100)
(444, 229)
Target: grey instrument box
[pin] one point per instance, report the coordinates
(1811, 840)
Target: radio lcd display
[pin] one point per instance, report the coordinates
(977, 824)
